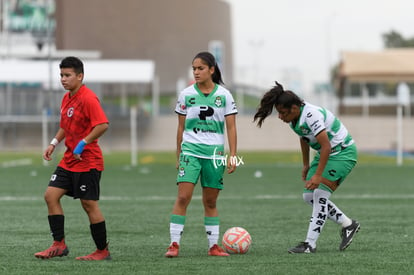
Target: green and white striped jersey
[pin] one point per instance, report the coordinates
(205, 120)
(313, 120)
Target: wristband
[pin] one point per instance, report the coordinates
(54, 142)
(79, 148)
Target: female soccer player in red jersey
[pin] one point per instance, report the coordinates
(78, 174)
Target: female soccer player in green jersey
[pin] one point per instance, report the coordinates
(336, 156)
(203, 109)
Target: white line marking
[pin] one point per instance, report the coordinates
(16, 163)
(257, 197)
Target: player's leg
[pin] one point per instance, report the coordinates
(187, 177)
(184, 195)
(211, 218)
(335, 172)
(319, 216)
(97, 227)
(348, 226)
(177, 218)
(212, 183)
(320, 198)
(58, 186)
(348, 231)
(334, 213)
(338, 168)
(87, 189)
(212, 221)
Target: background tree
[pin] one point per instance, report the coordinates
(394, 39)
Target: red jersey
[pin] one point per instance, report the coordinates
(79, 114)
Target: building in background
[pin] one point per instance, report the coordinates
(164, 34)
(367, 82)
(168, 32)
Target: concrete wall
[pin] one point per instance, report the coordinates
(159, 134)
(373, 133)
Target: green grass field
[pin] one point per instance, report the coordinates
(137, 202)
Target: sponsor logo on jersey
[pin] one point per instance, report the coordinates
(205, 111)
(234, 105)
(198, 130)
(192, 101)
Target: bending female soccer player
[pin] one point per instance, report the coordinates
(336, 156)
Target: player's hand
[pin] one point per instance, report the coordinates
(314, 182)
(47, 154)
(79, 149)
(231, 165)
(77, 156)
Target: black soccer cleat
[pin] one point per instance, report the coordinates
(302, 247)
(347, 234)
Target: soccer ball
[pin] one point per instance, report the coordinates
(236, 240)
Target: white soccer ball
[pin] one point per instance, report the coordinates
(258, 174)
(236, 240)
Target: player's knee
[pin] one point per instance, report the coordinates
(183, 200)
(308, 198)
(50, 198)
(210, 203)
(89, 206)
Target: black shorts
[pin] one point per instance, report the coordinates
(79, 185)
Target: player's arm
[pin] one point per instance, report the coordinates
(60, 135)
(96, 133)
(324, 152)
(232, 139)
(304, 146)
(180, 131)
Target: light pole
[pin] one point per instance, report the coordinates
(403, 99)
(256, 45)
(329, 22)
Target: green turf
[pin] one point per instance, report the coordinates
(137, 201)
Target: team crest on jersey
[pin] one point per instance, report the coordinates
(304, 130)
(181, 173)
(218, 101)
(70, 111)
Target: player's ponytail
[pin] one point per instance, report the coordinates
(275, 96)
(209, 59)
(267, 104)
(217, 75)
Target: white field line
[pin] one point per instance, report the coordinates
(257, 197)
(16, 163)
